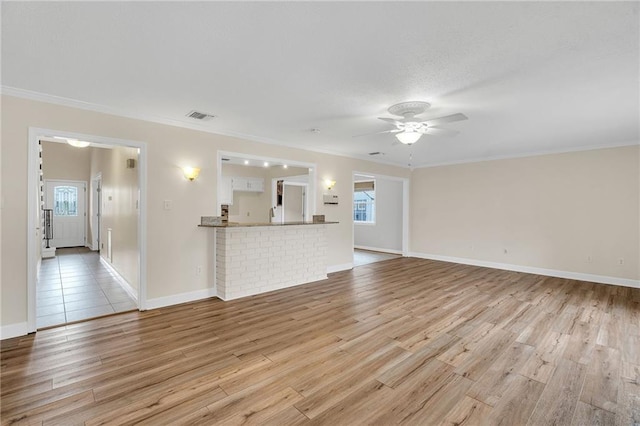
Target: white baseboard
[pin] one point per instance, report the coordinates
(381, 250)
(176, 299)
(123, 283)
(337, 268)
(14, 330)
(602, 279)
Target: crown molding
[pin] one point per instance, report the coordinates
(74, 103)
(529, 154)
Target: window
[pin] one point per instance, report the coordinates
(364, 202)
(65, 201)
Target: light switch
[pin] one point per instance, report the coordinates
(168, 204)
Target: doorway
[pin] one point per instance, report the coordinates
(96, 207)
(380, 217)
(293, 202)
(79, 269)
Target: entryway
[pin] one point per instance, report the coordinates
(380, 217)
(76, 285)
(66, 185)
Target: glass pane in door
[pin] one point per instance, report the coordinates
(65, 201)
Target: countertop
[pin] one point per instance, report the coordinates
(247, 225)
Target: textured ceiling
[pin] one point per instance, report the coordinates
(532, 77)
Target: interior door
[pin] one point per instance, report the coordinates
(67, 200)
(293, 203)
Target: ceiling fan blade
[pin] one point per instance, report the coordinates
(390, 120)
(436, 131)
(378, 133)
(446, 119)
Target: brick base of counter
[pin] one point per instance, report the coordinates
(255, 260)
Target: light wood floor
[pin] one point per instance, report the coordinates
(401, 341)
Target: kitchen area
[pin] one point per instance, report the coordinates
(265, 236)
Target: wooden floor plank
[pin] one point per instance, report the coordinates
(404, 341)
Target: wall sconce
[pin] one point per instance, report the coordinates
(191, 173)
(329, 183)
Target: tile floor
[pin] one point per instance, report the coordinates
(364, 257)
(74, 286)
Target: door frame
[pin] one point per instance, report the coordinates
(274, 184)
(86, 205)
(96, 210)
(33, 210)
(405, 207)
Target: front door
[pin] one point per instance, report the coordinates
(67, 200)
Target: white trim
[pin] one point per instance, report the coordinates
(337, 268)
(14, 330)
(602, 279)
(88, 106)
(378, 249)
(123, 283)
(176, 299)
(33, 224)
(96, 209)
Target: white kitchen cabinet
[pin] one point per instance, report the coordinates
(248, 184)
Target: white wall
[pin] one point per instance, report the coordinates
(551, 212)
(65, 162)
(386, 233)
(120, 207)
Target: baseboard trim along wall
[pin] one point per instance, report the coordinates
(176, 299)
(125, 285)
(381, 250)
(14, 330)
(337, 268)
(625, 282)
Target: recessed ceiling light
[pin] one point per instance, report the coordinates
(266, 164)
(284, 166)
(246, 162)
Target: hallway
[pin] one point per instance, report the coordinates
(76, 285)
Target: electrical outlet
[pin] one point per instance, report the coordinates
(248, 214)
(505, 251)
(589, 259)
(198, 271)
(621, 261)
(168, 204)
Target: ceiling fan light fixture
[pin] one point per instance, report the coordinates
(408, 138)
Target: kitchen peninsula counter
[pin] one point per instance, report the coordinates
(245, 225)
(254, 258)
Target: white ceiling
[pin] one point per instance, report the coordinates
(532, 77)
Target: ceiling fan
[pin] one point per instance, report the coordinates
(409, 128)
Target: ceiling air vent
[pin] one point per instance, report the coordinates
(225, 159)
(200, 115)
(376, 153)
